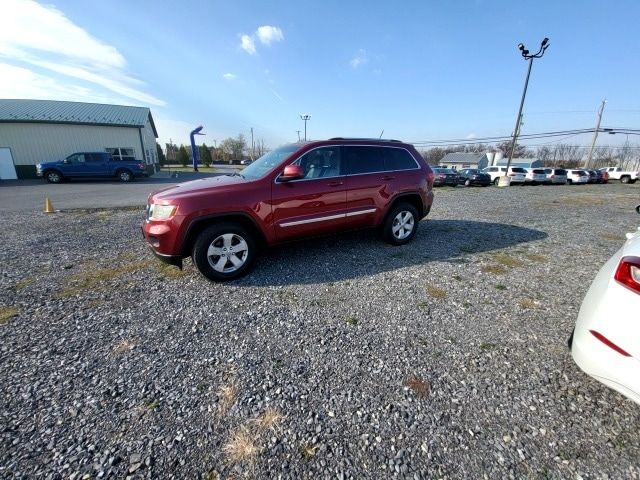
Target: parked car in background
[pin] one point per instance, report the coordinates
(246, 161)
(555, 176)
(445, 176)
(592, 176)
(535, 176)
(473, 176)
(597, 175)
(605, 342)
(577, 176)
(617, 173)
(91, 165)
(295, 191)
(517, 174)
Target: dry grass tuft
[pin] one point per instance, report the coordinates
(308, 450)
(241, 446)
(508, 260)
(418, 385)
(227, 395)
(495, 269)
(268, 420)
(24, 283)
(436, 292)
(534, 257)
(6, 313)
(613, 237)
(123, 347)
(170, 271)
(527, 303)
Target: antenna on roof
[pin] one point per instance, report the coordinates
(381, 134)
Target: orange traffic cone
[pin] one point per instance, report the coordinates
(48, 206)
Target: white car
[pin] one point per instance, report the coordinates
(517, 174)
(606, 340)
(577, 176)
(535, 176)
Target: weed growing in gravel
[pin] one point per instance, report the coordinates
(495, 269)
(418, 385)
(22, 284)
(500, 287)
(422, 304)
(614, 237)
(6, 313)
(534, 257)
(487, 346)
(308, 451)
(527, 303)
(170, 271)
(241, 447)
(351, 320)
(151, 404)
(436, 292)
(227, 396)
(457, 278)
(508, 260)
(123, 347)
(268, 420)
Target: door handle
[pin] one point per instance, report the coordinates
(336, 184)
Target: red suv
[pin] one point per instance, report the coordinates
(294, 191)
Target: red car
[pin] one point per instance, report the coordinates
(297, 190)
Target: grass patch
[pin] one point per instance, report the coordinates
(508, 260)
(22, 284)
(418, 385)
(495, 269)
(500, 287)
(268, 420)
(6, 313)
(487, 346)
(436, 292)
(529, 304)
(124, 346)
(227, 395)
(422, 304)
(241, 447)
(613, 237)
(534, 257)
(151, 404)
(351, 320)
(170, 271)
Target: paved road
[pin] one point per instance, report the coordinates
(29, 195)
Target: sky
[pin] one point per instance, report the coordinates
(417, 70)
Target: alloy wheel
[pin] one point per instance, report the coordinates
(227, 253)
(403, 225)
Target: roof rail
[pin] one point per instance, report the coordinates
(367, 139)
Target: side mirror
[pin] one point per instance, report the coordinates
(638, 208)
(291, 172)
(66, 160)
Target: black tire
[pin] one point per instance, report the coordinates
(496, 181)
(124, 175)
(212, 237)
(390, 223)
(53, 176)
(569, 181)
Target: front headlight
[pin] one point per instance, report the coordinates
(161, 212)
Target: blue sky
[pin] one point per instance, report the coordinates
(418, 69)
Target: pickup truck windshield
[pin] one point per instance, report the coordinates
(268, 161)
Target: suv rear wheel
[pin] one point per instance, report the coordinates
(124, 175)
(224, 252)
(401, 224)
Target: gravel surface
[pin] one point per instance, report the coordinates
(339, 357)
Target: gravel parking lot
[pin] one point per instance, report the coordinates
(339, 357)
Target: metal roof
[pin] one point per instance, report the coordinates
(459, 157)
(53, 111)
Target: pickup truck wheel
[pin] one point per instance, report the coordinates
(224, 251)
(625, 179)
(401, 224)
(53, 176)
(124, 175)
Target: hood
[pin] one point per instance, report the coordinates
(197, 186)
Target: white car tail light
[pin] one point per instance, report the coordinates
(628, 273)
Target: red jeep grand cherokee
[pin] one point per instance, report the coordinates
(294, 191)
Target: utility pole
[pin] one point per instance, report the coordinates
(587, 163)
(298, 134)
(305, 118)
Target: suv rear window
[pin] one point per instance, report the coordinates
(364, 160)
(398, 159)
(537, 170)
(518, 170)
(560, 171)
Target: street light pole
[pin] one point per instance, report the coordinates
(305, 117)
(587, 164)
(525, 54)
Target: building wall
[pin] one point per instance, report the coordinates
(31, 143)
(150, 155)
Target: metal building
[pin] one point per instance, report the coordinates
(33, 131)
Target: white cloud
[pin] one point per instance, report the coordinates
(268, 34)
(43, 37)
(229, 76)
(359, 60)
(247, 44)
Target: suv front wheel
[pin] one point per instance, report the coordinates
(401, 224)
(224, 252)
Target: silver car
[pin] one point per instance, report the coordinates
(556, 176)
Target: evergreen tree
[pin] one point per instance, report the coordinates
(183, 156)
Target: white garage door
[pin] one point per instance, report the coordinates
(7, 169)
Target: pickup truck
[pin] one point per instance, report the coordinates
(616, 173)
(91, 165)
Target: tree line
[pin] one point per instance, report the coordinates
(231, 149)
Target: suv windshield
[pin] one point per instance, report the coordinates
(268, 161)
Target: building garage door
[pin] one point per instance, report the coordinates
(7, 169)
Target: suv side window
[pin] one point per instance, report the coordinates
(93, 157)
(321, 162)
(398, 159)
(364, 159)
(76, 158)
